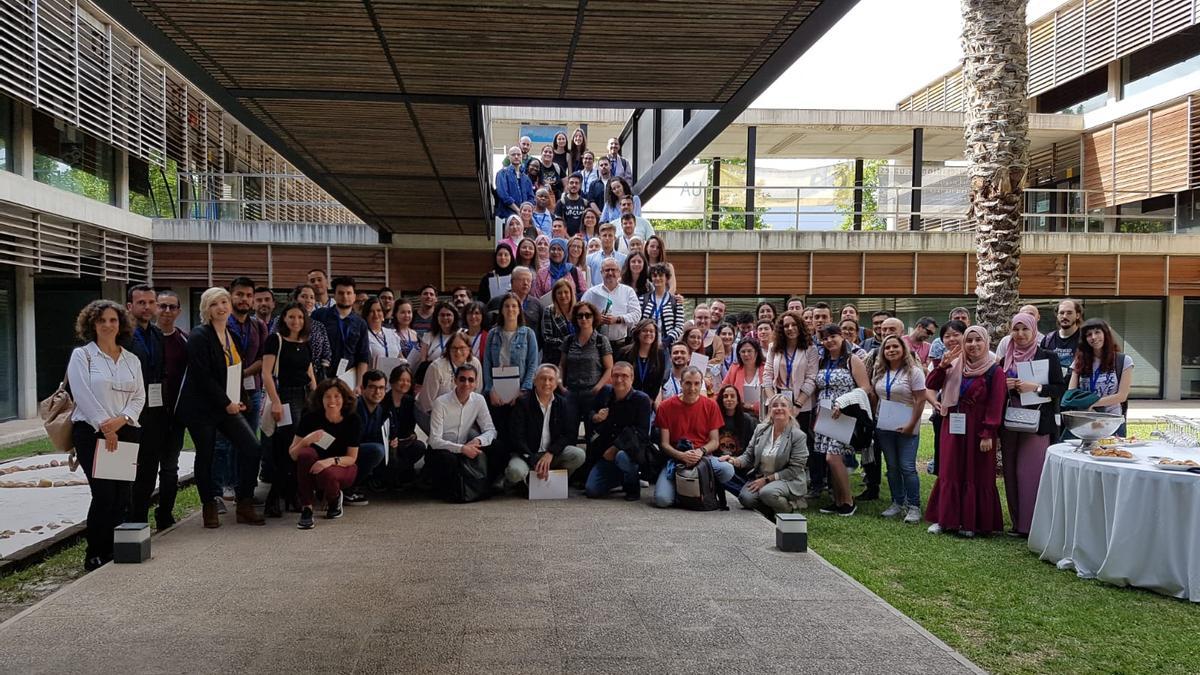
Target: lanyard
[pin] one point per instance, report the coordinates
(674, 381)
(140, 336)
(658, 306)
(442, 344)
(344, 329)
(228, 350)
(474, 342)
(382, 340)
(643, 366)
(243, 340)
(789, 359)
(828, 370)
(1095, 378)
(888, 382)
(729, 362)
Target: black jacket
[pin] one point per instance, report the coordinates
(1054, 390)
(633, 412)
(152, 368)
(527, 421)
(202, 397)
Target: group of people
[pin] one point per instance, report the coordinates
(341, 390)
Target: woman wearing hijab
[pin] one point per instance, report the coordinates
(973, 390)
(558, 268)
(514, 232)
(1024, 452)
(499, 280)
(541, 247)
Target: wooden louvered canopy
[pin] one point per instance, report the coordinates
(380, 101)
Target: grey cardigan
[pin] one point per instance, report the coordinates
(795, 470)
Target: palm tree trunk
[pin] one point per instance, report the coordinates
(996, 76)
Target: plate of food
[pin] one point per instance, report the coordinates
(1111, 454)
(1131, 442)
(1168, 464)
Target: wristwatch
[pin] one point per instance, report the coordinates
(337, 461)
(1038, 391)
(128, 419)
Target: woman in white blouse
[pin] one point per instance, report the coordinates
(383, 342)
(106, 383)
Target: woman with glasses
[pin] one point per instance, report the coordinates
(586, 365)
(838, 371)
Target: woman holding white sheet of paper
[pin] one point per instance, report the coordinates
(325, 448)
(1024, 452)
(383, 342)
(899, 387)
(287, 357)
(509, 362)
(838, 371)
(106, 382)
(205, 406)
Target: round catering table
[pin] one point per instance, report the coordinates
(1127, 524)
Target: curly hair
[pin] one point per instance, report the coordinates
(316, 400)
(85, 323)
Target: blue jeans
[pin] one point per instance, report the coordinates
(607, 475)
(225, 464)
(900, 451)
(370, 455)
(664, 488)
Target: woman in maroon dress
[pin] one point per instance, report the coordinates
(964, 497)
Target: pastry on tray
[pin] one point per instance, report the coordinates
(1178, 462)
(1112, 452)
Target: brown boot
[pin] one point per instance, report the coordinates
(247, 514)
(211, 517)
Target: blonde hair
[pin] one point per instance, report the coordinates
(208, 298)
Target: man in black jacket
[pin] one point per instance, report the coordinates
(541, 431)
(622, 433)
(148, 344)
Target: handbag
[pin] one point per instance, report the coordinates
(56, 411)
(1021, 419)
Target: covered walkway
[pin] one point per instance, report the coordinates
(499, 586)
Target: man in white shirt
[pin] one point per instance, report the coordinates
(541, 432)
(618, 304)
(461, 436)
(608, 251)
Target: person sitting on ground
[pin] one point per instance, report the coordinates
(689, 426)
(460, 438)
(779, 454)
(322, 450)
(622, 420)
(541, 433)
(439, 377)
(371, 446)
(404, 448)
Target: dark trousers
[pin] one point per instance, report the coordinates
(936, 420)
(245, 447)
(401, 460)
(283, 469)
(502, 447)
(110, 498)
(458, 479)
(158, 458)
(330, 482)
(818, 471)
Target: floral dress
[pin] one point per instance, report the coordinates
(832, 382)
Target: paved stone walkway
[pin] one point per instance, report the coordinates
(501, 586)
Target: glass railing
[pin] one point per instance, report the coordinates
(291, 198)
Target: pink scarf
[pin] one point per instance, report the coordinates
(963, 366)
(1016, 354)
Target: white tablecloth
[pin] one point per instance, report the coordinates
(1127, 524)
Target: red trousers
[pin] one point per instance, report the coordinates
(330, 482)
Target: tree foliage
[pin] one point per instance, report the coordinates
(843, 199)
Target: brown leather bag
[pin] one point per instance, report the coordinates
(56, 411)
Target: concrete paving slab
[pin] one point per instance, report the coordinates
(504, 586)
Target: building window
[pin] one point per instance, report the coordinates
(1161, 62)
(1080, 95)
(6, 133)
(1189, 380)
(70, 159)
(152, 188)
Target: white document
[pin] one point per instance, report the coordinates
(268, 423)
(499, 285)
(347, 374)
(958, 423)
(248, 383)
(841, 429)
(1034, 371)
(385, 431)
(387, 364)
(546, 300)
(120, 464)
(233, 383)
(154, 397)
(324, 441)
(700, 361)
(751, 394)
(554, 487)
(893, 415)
(506, 382)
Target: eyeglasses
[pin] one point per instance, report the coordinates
(583, 316)
(467, 380)
(165, 307)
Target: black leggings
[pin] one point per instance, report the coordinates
(110, 498)
(245, 445)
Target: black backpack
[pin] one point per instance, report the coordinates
(696, 488)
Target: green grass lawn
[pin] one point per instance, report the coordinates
(38, 447)
(1002, 607)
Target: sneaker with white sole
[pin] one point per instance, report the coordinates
(306, 519)
(846, 510)
(335, 508)
(913, 515)
(892, 511)
(934, 529)
(356, 499)
(969, 534)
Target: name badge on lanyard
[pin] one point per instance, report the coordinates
(154, 398)
(958, 424)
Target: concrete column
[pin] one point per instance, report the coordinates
(26, 345)
(121, 180)
(23, 139)
(1114, 81)
(918, 161)
(185, 309)
(1173, 350)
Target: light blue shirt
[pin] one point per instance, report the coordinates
(595, 260)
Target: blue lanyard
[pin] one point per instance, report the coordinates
(441, 344)
(243, 340)
(658, 306)
(1095, 378)
(888, 383)
(406, 345)
(828, 371)
(344, 330)
(964, 386)
(383, 343)
(674, 381)
(789, 358)
(643, 366)
(729, 362)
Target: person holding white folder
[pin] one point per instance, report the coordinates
(288, 378)
(211, 401)
(509, 361)
(898, 383)
(838, 371)
(541, 433)
(106, 382)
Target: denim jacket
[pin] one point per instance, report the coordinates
(512, 188)
(523, 353)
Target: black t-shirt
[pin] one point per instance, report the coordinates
(552, 178)
(345, 433)
(1063, 348)
(571, 211)
(294, 360)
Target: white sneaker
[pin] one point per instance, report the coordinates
(913, 515)
(891, 511)
(934, 529)
(969, 534)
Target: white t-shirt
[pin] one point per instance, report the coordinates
(904, 382)
(1105, 383)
